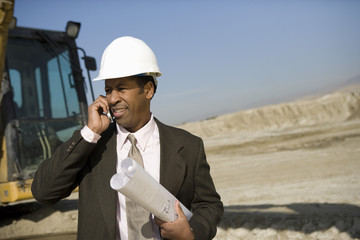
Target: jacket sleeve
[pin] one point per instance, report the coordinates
(206, 205)
(58, 176)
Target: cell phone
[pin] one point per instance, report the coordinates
(108, 114)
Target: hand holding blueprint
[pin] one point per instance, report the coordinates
(136, 184)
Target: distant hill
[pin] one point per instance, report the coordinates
(354, 80)
(339, 106)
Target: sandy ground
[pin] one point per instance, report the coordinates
(302, 184)
(298, 182)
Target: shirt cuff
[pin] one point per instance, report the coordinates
(89, 135)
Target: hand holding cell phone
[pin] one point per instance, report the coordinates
(99, 115)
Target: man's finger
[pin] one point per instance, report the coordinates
(158, 221)
(101, 102)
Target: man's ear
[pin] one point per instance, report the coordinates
(149, 89)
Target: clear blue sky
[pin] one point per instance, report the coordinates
(219, 56)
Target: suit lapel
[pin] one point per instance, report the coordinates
(172, 166)
(103, 171)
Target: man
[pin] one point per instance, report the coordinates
(91, 157)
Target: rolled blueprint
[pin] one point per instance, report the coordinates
(136, 184)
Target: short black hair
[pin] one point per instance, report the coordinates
(142, 80)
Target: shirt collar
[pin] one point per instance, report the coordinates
(142, 135)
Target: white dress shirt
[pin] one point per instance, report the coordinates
(148, 142)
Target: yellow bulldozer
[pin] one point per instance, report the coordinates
(43, 98)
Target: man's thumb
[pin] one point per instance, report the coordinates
(179, 212)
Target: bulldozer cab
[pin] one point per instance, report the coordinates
(43, 102)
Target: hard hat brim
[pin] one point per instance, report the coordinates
(154, 74)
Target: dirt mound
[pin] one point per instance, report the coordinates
(335, 107)
(34, 219)
(292, 221)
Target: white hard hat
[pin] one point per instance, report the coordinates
(128, 56)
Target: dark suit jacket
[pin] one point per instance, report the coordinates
(184, 171)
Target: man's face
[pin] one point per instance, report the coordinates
(129, 103)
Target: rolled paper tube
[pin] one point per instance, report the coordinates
(136, 184)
